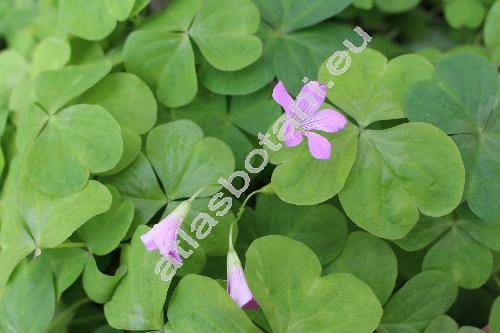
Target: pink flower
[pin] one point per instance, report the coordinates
(163, 236)
(237, 286)
(486, 329)
(303, 117)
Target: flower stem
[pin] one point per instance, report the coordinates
(265, 189)
(194, 196)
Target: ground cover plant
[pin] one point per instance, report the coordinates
(199, 166)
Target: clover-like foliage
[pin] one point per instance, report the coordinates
(249, 166)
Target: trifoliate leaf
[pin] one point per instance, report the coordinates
(186, 161)
(223, 31)
(461, 100)
(285, 278)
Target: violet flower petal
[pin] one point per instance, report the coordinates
(311, 97)
(319, 147)
(326, 120)
(163, 235)
(237, 287)
(281, 96)
(293, 137)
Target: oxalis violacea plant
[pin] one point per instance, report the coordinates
(249, 166)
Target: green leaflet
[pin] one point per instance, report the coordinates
(103, 233)
(51, 53)
(465, 13)
(84, 52)
(67, 265)
(312, 45)
(369, 259)
(470, 269)
(29, 301)
(139, 5)
(247, 80)
(462, 248)
(127, 99)
(131, 148)
(196, 263)
(99, 286)
(373, 88)
(225, 40)
(138, 184)
(293, 47)
(93, 19)
(301, 179)
(13, 66)
(463, 105)
(16, 241)
(323, 228)
(217, 33)
(423, 298)
(54, 89)
(442, 324)
(490, 35)
(76, 141)
(189, 310)
(131, 103)
(185, 161)
(137, 303)
(71, 143)
(55, 219)
(427, 230)
(398, 172)
(174, 71)
(120, 9)
(289, 15)
(294, 296)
